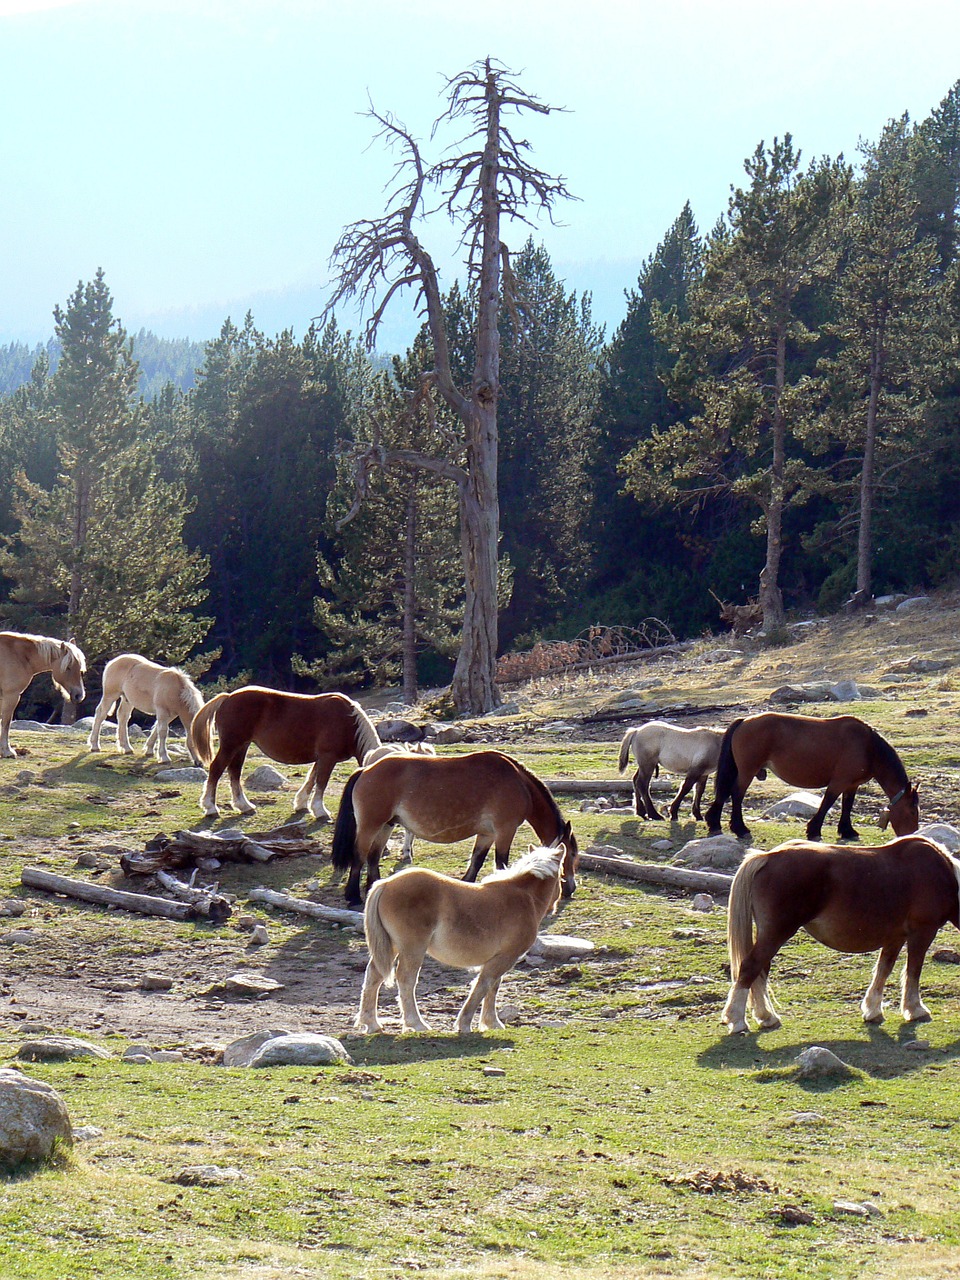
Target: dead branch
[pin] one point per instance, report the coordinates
(186, 846)
(652, 873)
(144, 903)
(211, 905)
(335, 915)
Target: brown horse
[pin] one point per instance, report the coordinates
(292, 728)
(443, 799)
(24, 656)
(137, 684)
(853, 900)
(419, 913)
(840, 753)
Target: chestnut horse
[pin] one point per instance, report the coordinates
(853, 900)
(692, 752)
(419, 913)
(399, 749)
(840, 753)
(293, 728)
(137, 684)
(443, 799)
(24, 656)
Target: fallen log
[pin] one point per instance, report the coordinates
(714, 882)
(335, 915)
(593, 786)
(144, 903)
(186, 846)
(213, 906)
(643, 714)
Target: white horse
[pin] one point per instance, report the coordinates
(138, 684)
(400, 749)
(692, 752)
(24, 656)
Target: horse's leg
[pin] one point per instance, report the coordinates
(408, 971)
(698, 796)
(752, 981)
(241, 801)
(685, 786)
(871, 1006)
(484, 991)
(93, 742)
(208, 800)
(737, 792)
(302, 799)
(815, 825)
(406, 853)
(911, 1006)
(644, 802)
(480, 850)
(8, 705)
(124, 711)
(321, 776)
(160, 728)
(367, 1019)
(845, 827)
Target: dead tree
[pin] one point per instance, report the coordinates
(489, 179)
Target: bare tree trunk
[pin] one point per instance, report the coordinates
(474, 686)
(865, 529)
(771, 600)
(409, 658)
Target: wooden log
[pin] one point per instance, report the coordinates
(590, 786)
(144, 903)
(212, 906)
(613, 714)
(714, 882)
(335, 915)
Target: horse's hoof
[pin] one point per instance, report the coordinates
(873, 1019)
(769, 1024)
(737, 1029)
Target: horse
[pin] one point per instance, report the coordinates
(853, 900)
(293, 728)
(24, 656)
(839, 753)
(485, 794)
(419, 912)
(132, 683)
(418, 748)
(692, 752)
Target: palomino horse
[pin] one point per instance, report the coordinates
(443, 799)
(855, 900)
(840, 753)
(419, 913)
(24, 656)
(293, 728)
(692, 752)
(418, 748)
(138, 684)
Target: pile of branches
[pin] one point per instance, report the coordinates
(596, 646)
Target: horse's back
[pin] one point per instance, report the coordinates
(442, 796)
(292, 728)
(804, 751)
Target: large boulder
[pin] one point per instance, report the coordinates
(711, 853)
(801, 804)
(944, 834)
(33, 1119)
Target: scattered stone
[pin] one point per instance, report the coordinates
(59, 1049)
(917, 1046)
(248, 923)
(266, 778)
(806, 1118)
(15, 936)
(943, 833)
(816, 1062)
(259, 937)
(24, 778)
(86, 1133)
(914, 604)
(494, 1072)
(138, 1059)
(450, 733)
(946, 955)
(702, 902)
(238, 1053)
(156, 982)
(716, 853)
(559, 947)
(509, 1014)
(181, 775)
(207, 1175)
(33, 1119)
(918, 666)
(209, 864)
(814, 692)
(400, 731)
(247, 984)
(795, 1216)
(167, 1055)
(505, 709)
(88, 860)
(690, 935)
(801, 804)
(13, 908)
(851, 1208)
(300, 1049)
(662, 845)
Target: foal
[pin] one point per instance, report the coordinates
(132, 683)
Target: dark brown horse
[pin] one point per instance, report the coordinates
(444, 799)
(853, 900)
(840, 753)
(292, 728)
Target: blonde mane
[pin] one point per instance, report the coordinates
(544, 863)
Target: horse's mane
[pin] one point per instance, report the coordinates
(52, 650)
(540, 787)
(367, 736)
(890, 757)
(544, 863)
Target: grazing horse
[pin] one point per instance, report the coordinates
(419, 912)
(137, 684)
(840, 753)
(293, 728)
(853, 900)
(24, 656)
(692, 752)
(419, 748)
(443, 799)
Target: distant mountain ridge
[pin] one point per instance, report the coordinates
(161, 360)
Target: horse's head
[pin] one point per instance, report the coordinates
(903, 812)
(571, 860)
(67, 672)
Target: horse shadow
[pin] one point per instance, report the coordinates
(883, 1055)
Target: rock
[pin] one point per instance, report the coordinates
(450, 733)
(494, 1072)
(813, 692)
(662, 844)
(916, 665)
(238, 1053)
(33, 1119)
(181, 775)
(248, 923)
(156, 982)
(59, 1049)
(13, 908)
(24, 778)
(86, 1133)
(702, 902)
(509, 1014)
(846, 691)
(851, 1208)
(505, 709)
(248, 984)
(943, 833)
(946, 955)
(816, 1062)
(806, 1117)
(266, 778)
(716, 853)
(207, 1175)
(801, 804)
(914, 604)
(259, 937)
(400, 731)
(15, 936)
(167, 1055)
(560, 947)
(300, 1049)
(918, 1046)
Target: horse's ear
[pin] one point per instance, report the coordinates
(884, 818)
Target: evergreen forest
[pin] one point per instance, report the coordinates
(776, 418)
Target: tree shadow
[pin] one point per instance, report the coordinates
(392, 1050)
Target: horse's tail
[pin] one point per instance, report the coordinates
(366, 736)
(740, 911)
(726, 765)
(190, 699)
(626, 742)
(200, 735)
(345, 831)
(383, 953)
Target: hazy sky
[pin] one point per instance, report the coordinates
(207, 153)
